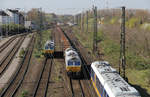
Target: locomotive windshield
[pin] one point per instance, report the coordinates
(73, 63)
(70, 63)
(49, 46)
(77, 63)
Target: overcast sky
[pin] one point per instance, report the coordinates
(72, 6)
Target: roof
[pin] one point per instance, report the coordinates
(3, 13)
(49, 42)
(72, 55)
(13, 11)
(20, 14)
(113, 83)
(28, 23)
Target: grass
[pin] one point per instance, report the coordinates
(58, 77)
(140, 79)
(24, 93)
(22, 52)
(40, 41)
(138, 65)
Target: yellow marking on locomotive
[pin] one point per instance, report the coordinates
(48, 51)
(73, 68)
(94, 84)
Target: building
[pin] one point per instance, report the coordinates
(21, 19)
(4, 18)
(13, 16)
(10, 16)
(30, 25)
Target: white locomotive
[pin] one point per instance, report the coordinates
(73, 62)
(108, 83)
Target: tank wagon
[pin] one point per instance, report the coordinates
(108, 83)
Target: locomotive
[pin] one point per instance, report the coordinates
(49, 48)
(73, 62)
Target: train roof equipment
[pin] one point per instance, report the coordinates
(69, 50)
(71, 54)
(50, 42)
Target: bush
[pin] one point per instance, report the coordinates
(24, 94)
(136, 62)
(148, 76)
(133, 22)
(146, 26)
(110, 47)
(113, 20)
(12, 29)
(100, 36)
(22, 52)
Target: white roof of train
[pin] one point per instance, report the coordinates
(51, 42)
(113, 83)
(71, 54)
(68, 50)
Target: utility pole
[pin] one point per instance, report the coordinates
(77, 19)
(74, 19)
(18, 20)
(82, 22)
(122, 43)
(0, 31)
(40, 23)
(95, 29)
(7, 25)
(87, 21)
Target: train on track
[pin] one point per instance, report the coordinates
(108, 83)
(73, 62)
(49, 48)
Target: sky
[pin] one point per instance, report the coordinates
(72, 6)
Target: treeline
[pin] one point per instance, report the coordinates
(12, 29)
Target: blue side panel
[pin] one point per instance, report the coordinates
(70, 63)
(51, 47)
(77, 63)
(92, 74)
(101, 88)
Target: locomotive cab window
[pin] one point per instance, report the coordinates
(51, 46)
(77, 63)
(70, 63)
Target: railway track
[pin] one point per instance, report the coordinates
(86, 60)
(76, 88)
(41, 87)
(15, 82)
(5, 45)
(10, 55)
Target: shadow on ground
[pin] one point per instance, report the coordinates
(143, 92)
(58, 55)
